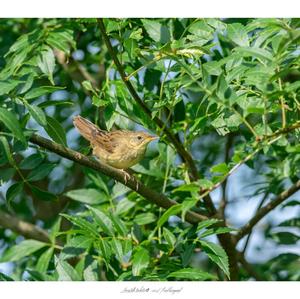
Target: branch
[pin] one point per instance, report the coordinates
(23, 228)
(185, 155)
(265, 210)
(129, 180)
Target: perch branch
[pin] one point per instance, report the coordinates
(118, 175)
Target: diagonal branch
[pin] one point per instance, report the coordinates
(23, 228)
(185, 155)
(130, 181)
(266, 209)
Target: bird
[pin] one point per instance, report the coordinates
(120, 149)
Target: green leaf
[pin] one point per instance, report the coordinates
(85, 225)
(11, 122)
(40, 172)
(89, 196)
(8, 86)
(192, 187)
(291, 222)
(61, 39)
(116, 246)
(104, 222)
(140, 261)
(119, 225)
(238, 34)
(174, 210)
(32, 161)
(87, 85)
(4, 146)
(43, 194)
(40, 91)
(220, 168)
(145, 218)
(56, 131)
(217, 254)
(206, 223)
(4, 277)
(65, 271)
(13, 191)
(255, 52)
(7, 173)
(55, 103)
(46, 63)
(169, 237)
(91, 272)
(44, 260)
(286, 238)
(25, 248)
(216, 231)
(76, 246)
(104, 248)
(192, 274)
(136, 34)
(157, 31)
(37, 113)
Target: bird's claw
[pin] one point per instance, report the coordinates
(126, 176)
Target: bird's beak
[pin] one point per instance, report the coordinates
(150, 138)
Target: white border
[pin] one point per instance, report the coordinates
(153, 8)
(211, 290)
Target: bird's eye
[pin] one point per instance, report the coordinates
(139, 137)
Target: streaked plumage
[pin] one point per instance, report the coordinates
(120, 149)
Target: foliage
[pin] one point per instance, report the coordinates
(227, 89)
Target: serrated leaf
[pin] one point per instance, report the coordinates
(40, 91)
(65, 271)
(157, 31)
(43, 194)
(169, 237)
(145, 218)
(171, 211)
(206, 223)
(8, 86)
(37, 113)
(24, 248)
(56, 131)
(12, 124)
(238, 34)
(13, 191)
(32, 161)
(255, 52)
(85, 225)
(192, 274)
(104, 222)
(140, 261)
(4, 146)
(217, 254)
(41, 172)
(46, 63)
(44, 260)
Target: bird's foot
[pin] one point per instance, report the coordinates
(126, 175)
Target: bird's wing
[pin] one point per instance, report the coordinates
(93, 134)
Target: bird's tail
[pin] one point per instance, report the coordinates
(87, 129)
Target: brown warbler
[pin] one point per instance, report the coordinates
(119, 149)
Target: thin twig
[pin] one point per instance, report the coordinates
(258, 207)
(246, 229)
